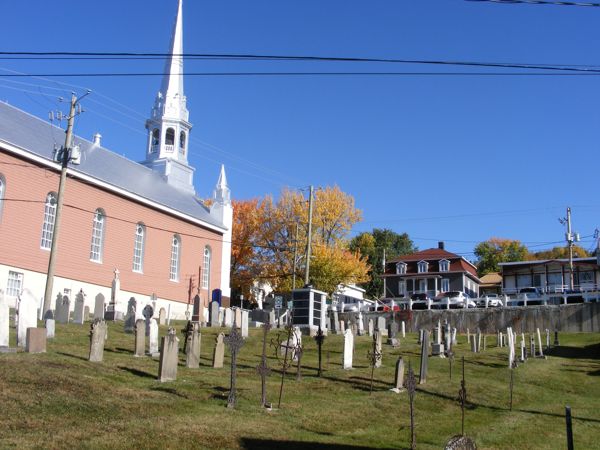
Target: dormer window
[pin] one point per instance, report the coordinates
(444, 265)
(401, 268)
(423, 266)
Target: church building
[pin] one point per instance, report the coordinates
(142, 223)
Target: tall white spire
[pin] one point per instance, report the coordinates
(222, 210)
(222, 193)
(168, 127)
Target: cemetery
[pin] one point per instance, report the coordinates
(232, 382)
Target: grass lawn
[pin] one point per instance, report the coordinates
(60, 400)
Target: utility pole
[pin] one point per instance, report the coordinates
(295, 258)
(571, 238)
(309, 237)
(384, 279)
(65, 157)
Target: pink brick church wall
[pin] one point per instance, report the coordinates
(21, 227)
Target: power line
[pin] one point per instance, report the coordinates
(305, 58)
(539, 2)
(316, 74)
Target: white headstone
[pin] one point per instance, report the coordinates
(4, 325)
(153, 338)
(539, 339)
(228, 317)
(27, 305)
(99, 307)
(50, 328)
(348, 349)
(244, 323)
(403, 328)
(79, 305)
(381, 325)
(378, 342)
(511, 346)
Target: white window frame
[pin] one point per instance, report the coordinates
(423, 267)
(445, 284)
(49, 219)
(423, 282)
(14, 285)
(401, 268)
(139, 246)
(98, 231)
(444, 265)
(175, 258)
(207, 262)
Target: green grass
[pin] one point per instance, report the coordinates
(59, 399)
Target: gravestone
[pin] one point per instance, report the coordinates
(238, 317)
(169, 357)
(62, 314)
(424, 357)
(360, 324)
(371, 327)
(348, 349)
(228, 317)
(162, 316)
(50, 328)
(79, 305)
(468, 336)
(399, 377)
(539, 339)
(532, 347)
(192, 357)
(378, 346)
(454, 332)
(219, 352)
(381, 325)
(473, 346)
(214, 314)
(140, 338)
(511, 347)
(244, 323)
(153, 338)
(4, 320)
(27, 318)
(393, 335)
(403, 328)
(86, 313)
(97, 339)
(272, 317)
(148, 313)
(130, 317)
(99, 307)
(556, 342)
(197, 314)
(342, 326)
(447, 338)
(35, 340)
(478, 341)
(336, 323)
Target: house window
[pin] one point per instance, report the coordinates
(97, 236)
(182, 142)
(206, 268)
(401, 268)
(445, 284)
(175, 255)
(49, 217)
(444, 265)
(15, 284)
(422, 285)
(402, 288)
(138, 248)
(423, 266)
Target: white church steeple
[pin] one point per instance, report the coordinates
(222, 210)
(168, 127)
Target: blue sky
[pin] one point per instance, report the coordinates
(451, 158)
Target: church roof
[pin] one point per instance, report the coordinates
(36, 136)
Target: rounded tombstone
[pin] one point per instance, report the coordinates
(460, 442)
(148, 312)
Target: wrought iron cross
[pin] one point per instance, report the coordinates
(462, 396)
(374, 356)
(411, 387)
(235, 341)
(263, 369)
(319, 338)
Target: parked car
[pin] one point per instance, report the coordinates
(386, 305)
(421, 301)
(454, 299)
(531, 292)
(493, 300)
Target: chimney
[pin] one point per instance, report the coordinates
(441, 245)
(97, 138)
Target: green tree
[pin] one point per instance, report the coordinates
(561, 253)
(371, 245)
(496, 250)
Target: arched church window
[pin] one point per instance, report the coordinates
(182, 142)
(48, 225)
(170, 137)
(155, 137)
(97, 246)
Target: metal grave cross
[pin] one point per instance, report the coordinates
(235, 341)
(319, 338)
(263, 369)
